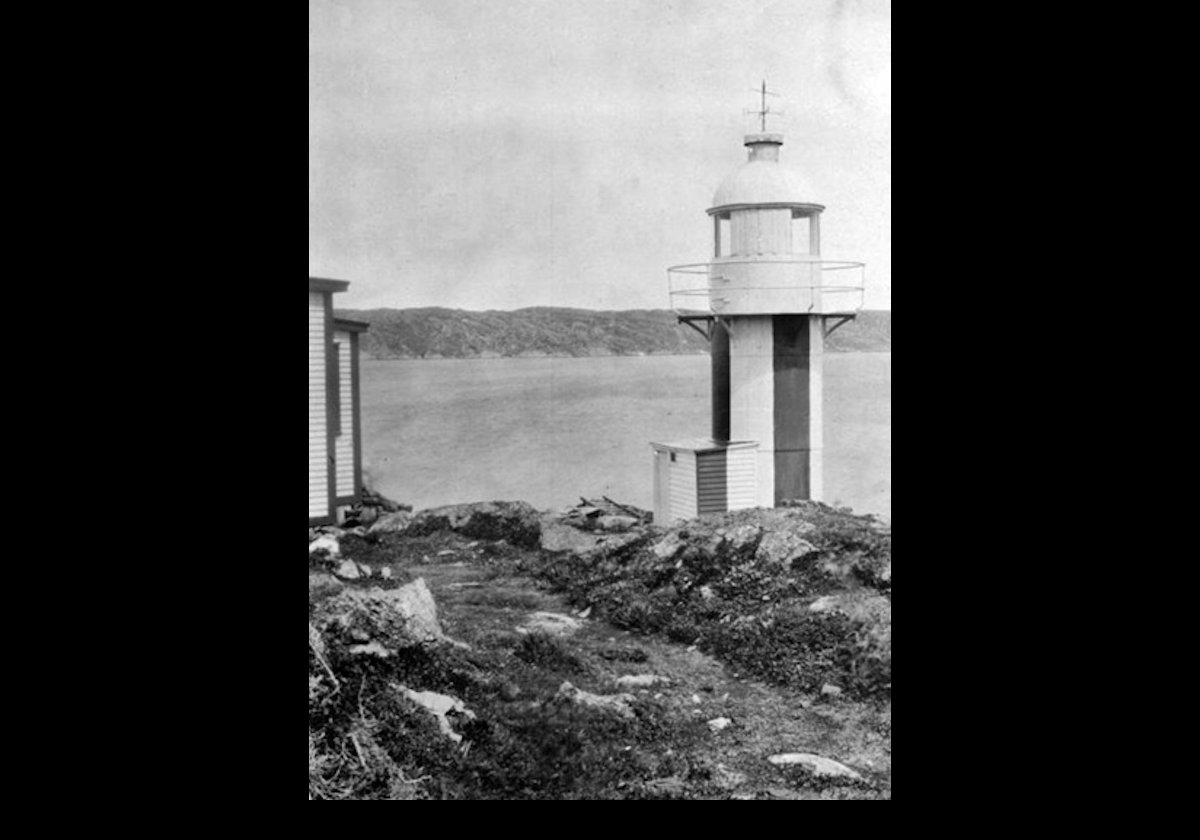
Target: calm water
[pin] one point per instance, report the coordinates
(551, 430)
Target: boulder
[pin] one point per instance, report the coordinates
(819, 765)
(327, 543)
(742, 540)
(861, 606)
(616, 523)
(558, 536)
(321, 582)
(553, 624)
(348, 570)
(401, 617)
(516, 522)
(717, 724)
(783, 548)
(617, 704)
(443, 707)
(392, 523)
(641, 681)
(668, 547)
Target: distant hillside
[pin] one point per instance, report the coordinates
(435, 333)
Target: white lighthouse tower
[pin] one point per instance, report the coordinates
(767, 299)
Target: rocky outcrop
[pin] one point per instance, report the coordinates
(391, 523)
(784, 547)
(395, 618)
(517, 522)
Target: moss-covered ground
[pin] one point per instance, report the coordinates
(743, 649)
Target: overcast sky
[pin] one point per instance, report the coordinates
(496, 154)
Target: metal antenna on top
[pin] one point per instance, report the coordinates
(764, 110)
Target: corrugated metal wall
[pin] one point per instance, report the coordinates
(318, 464)
(344, 442)
(710, 480)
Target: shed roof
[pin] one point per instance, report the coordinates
(322, 284)
(350, 326)
(704, 445)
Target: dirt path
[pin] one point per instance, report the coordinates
(488, 609)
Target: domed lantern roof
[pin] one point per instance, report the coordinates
(762, 181)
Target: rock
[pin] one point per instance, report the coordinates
(819, 765)
(516, 522)
(315, 640)
(326, 543)
(670, 786)
(823, 604)
(742, 540)
(348, 570)
(392, 523)
(641, 681)
(558, 536)
(320, 582)
(728, 779)
(613, 703)
(706, 592)
(616, 523)
(367, 516)
(612, 543)
(585, 613)
(862, 606)
(554, 624)
(441, 706)
(783, 548)
(372, 649)
(717, 724)
(401, 617)
(667, 548)
(831, 690)
(386, 573)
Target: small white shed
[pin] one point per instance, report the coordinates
(700, 475)
(334, 414)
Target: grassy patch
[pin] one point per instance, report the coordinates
(749, 613)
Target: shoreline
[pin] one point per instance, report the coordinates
(368, 358)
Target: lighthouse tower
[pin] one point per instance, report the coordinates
(766, 301)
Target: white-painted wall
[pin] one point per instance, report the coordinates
(318, 460)
(683, 486)
(344, 442)
(741, 477)
(752, 396)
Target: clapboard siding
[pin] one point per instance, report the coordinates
(741, 478)
(319, 503)
(683, 486)
(344, 442)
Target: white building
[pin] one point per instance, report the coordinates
(334, 416)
